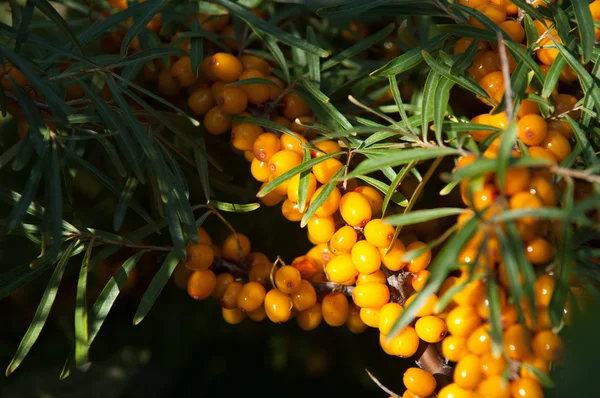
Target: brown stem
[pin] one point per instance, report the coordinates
(430, 360)
(580, 174)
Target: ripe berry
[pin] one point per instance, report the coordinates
(543, 289)
(556, 143)
(492, 83)
(291, 211)
(540, 364)
(341, 269)
(354, 323)
(370, 316)
(526, 388)
(225, 67)
(480, 341)
(182, 72)
(331, 204)
(304, 297)
(265, 146)
(233, 100)
(483, 307)
(307, 266)
(374, 197)
(201, 101)
(388, 315)
(231, 250)
(516, 342)
(420, 263)
(217, 89)
(243, 136)
(452, 390)
(431, 329)
(293, 189)
(514, 29)
(464, 42)
(418, 282)
(492, 365)
(326, 169)
(454, 348)
(294, 106)
(496, 13)
(283, 161)
(230, 297)
(326, 147)
(321, 229)
(199, 256)
(392, 258)
(484, 63)
(516, 179)
(166, 84)
(335, 309)
(564, 104)
(278, 306)
(311, 318)
(201, 284)
(233, 316)
(543, 189)
(253, 62)
(405, 344)
(258, 93)
(251, 296)
(371, 295)
(275, 91)
(539, 251)
(494, 387)
(259, 170)
(216, 121)
(287, 279)
(525, 200)
(537, 152)
(462, 321)
(258, 315)
(547, 345)
(377, 277)
(366, 257)
(293, 143)
(223, 281)
(379, 234)
(467, 373)
(419, 382)
(355, 209)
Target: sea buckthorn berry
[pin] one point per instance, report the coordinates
(260, 170)
(467, 373)
(516, 342)
(258, 315)
(543, 289)
(321, 254)
(287, 279)
(516, 179)
(494, 387)
(564, 104)
(233, 100)
(484, 62)
(216, 121)
(222, 282)
(341, 268)
(547, 52)
(374, 197)
(484, 198)
(167, 85)
(462, 321)
(282, 162)
(496, 13)
(466, 160)
(305, 296)
(343, 240)
(231, 249)
(335, 309)
(251, 296)
(452, 390)
(483, 307)
(354, 323)
(379, 234)
(526, 388)
(525, 200)
(595, 10)
(243, 136)
(260, 272)
(278, 306)
(479, 135)
(370, 316)
(543, 189)
(213, 23)
(225, 67)
(253, 62)
(540, 364)
(355, 209)
(228, 37)
(480, 341)
(532, 129)
(233, 316)
(311, 318)
(258, 93)
(326, 169)
(371, 295)
(299, 125)
(454, 348)
(326, 147)
(419, 281)
(307, 266)
(275, 90)
(294, 143)
(537, 152)
(282, 120)
(331, 204)
(561, 126)
(392, 258)
(7, 70)
(182, 72)
(230, 297)
(388, 315)
(492, 365)
(405, 344)
(321, 229)
(556, 143)
(265, 146)
(492, 83)
(366, 257)
(291, 211)
(427, 307)
(539, 251)
(249, 156)
(514, 29)
(419, 382)
(375, 277)
(199, 256)
(217, 89)
(294, 106)
(431, 329)
(420, 263)
(293, 189)
(464, 42)
(201, 284)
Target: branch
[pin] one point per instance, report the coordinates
(581, 174)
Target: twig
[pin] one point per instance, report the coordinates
(92, 237)
(429, 359)
(38, 104)
(384, 388)
(508, 96)
(580, 174)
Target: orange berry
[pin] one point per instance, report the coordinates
(225, 67)
(484, 62)
(343, 240)
(419, 281)
(321, 229)
(354, 323)
(331, 204)
(366, 257)
(275, 91)
(201, 101)
(251, 296)
(516, 179)
(293, 143)
(419, 382)
(452, 390)
(253, 62)
(258, 93)
(556, 143)
(326, 147)
(538, 363)
(467, 373)
(265, 146)
(355, 209)
(282, 162)
(291, 211)
(233, 316)
(305, 296)
(427, 307)
(392, 258)
(231, 294)
(537, 152)
(374, 197)
(532, 129)
(494, 387)
(464, 42)
(405, 344)
(234, 252)
(526, 388)
(293, 189)
(420, 263)
(311, 318)
(525, 200)
(516, 342)
(258, 315)
(564, 104)
(233, 100)
(182, 72)
(222, 282)
(547, 52)
(379, 234)
(371, 295)
(243, 136)
(216, 121)
(201, 284)
(431, 329)
(335, 309)
(479, 341)
(462, 321)
(492, 83)
(454, 348)
(278, 306)
(259, 170)
(167, 85)
(491, 365)
(199, 256)
(539, 251)
(217, 89)
(376, 277)
(287, 279)
(325, 170)
(543, 189)
(543, 289)
(471, 294)
(496, 13)
(388, 315)
(370, 316)
(514, 29)
(294, 106)
(341, 268)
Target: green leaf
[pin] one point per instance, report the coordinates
(152, 7)
(9, 154)
(585, 25)
(41, 314)
(542, 377)
(321, 197)
(23, 25)
(82, 345)
(427, 101)
(273, 47)
(394, 186)
(411, 58)
(553, 76)
(314, 64)
(54, 206)
(493, 297)
(564, 257)
(123, 203)
(46, 8)
(202, 166)
(512, 270)
(507, 142)
(233, 207)
(482, 166)
(384, 188)
(304, 183)
(23, 274)
(398, 157)
(324, 110)
(357, 48)
(146, 55)
(353, 8)
(271, 185)
(398, 100)
(460, 127)
(419, 216)
(442, 98)
(252, 80)
(589, 154)
(443, 263)
(156, 285)
(258, 24)
(196, 48)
